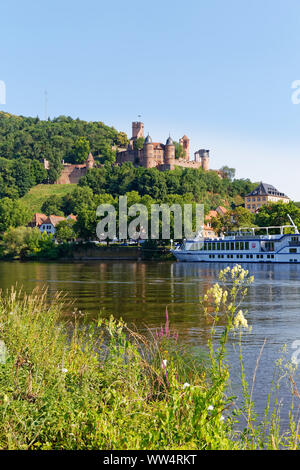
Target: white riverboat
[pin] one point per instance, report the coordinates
(244, 246)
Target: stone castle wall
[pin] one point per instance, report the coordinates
(71, 174)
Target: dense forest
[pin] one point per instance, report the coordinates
(24, 140)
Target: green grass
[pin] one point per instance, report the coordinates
(38, 194)
(99, 385)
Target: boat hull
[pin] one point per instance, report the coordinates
(185, 256)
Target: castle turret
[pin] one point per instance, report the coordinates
(90, 161)
(149, 161)
(137, 130)
(205, 160)
(169, 152)
(185, 143)
(202, 156)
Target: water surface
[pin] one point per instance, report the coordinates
(140, 291)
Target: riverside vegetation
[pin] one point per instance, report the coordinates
(67, 384)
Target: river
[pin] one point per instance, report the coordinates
(140, 291)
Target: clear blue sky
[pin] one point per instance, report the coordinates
(219, 71)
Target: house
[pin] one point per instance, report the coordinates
(208, 231)
(263, 194)
(48, 223)
(221, 210)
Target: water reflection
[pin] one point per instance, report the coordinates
(139, 293)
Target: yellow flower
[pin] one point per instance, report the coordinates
(240, 320)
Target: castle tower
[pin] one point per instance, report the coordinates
(202, 156)
(137, 130)
(185, 143)
(169, 152)
(90, 163)
(205, 160)
(149, 161)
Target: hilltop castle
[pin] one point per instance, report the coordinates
(159, 155)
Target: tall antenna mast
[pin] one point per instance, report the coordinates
(46, 105)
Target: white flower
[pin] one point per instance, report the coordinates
(64, 370)
(210, 408)
(240, 320)
(164, 363)
(185, 385)
(222, 418)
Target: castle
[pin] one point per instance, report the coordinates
(159, 155)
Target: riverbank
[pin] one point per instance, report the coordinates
(90, 251)
(102, 385)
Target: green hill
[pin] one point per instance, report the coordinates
(38, 194)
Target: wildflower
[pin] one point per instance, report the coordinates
(210, 408)
(185, 385)
(240, 320)
(64, 370)
(164, 363)
(222, 418)
(167, 322)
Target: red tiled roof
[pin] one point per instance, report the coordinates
(211, 214)
(54, 220)
(158, 144)
(222, 209)
(38, 219)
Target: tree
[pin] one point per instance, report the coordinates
(179, 150)
(232, 220)
(139, 143)
(227, 172)
(81, 150)
(122, 139)
(21, 241)
(108, 154)
(276, 214)
(52, 205)
(13, 213)
(71, 202)
(65, 231)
